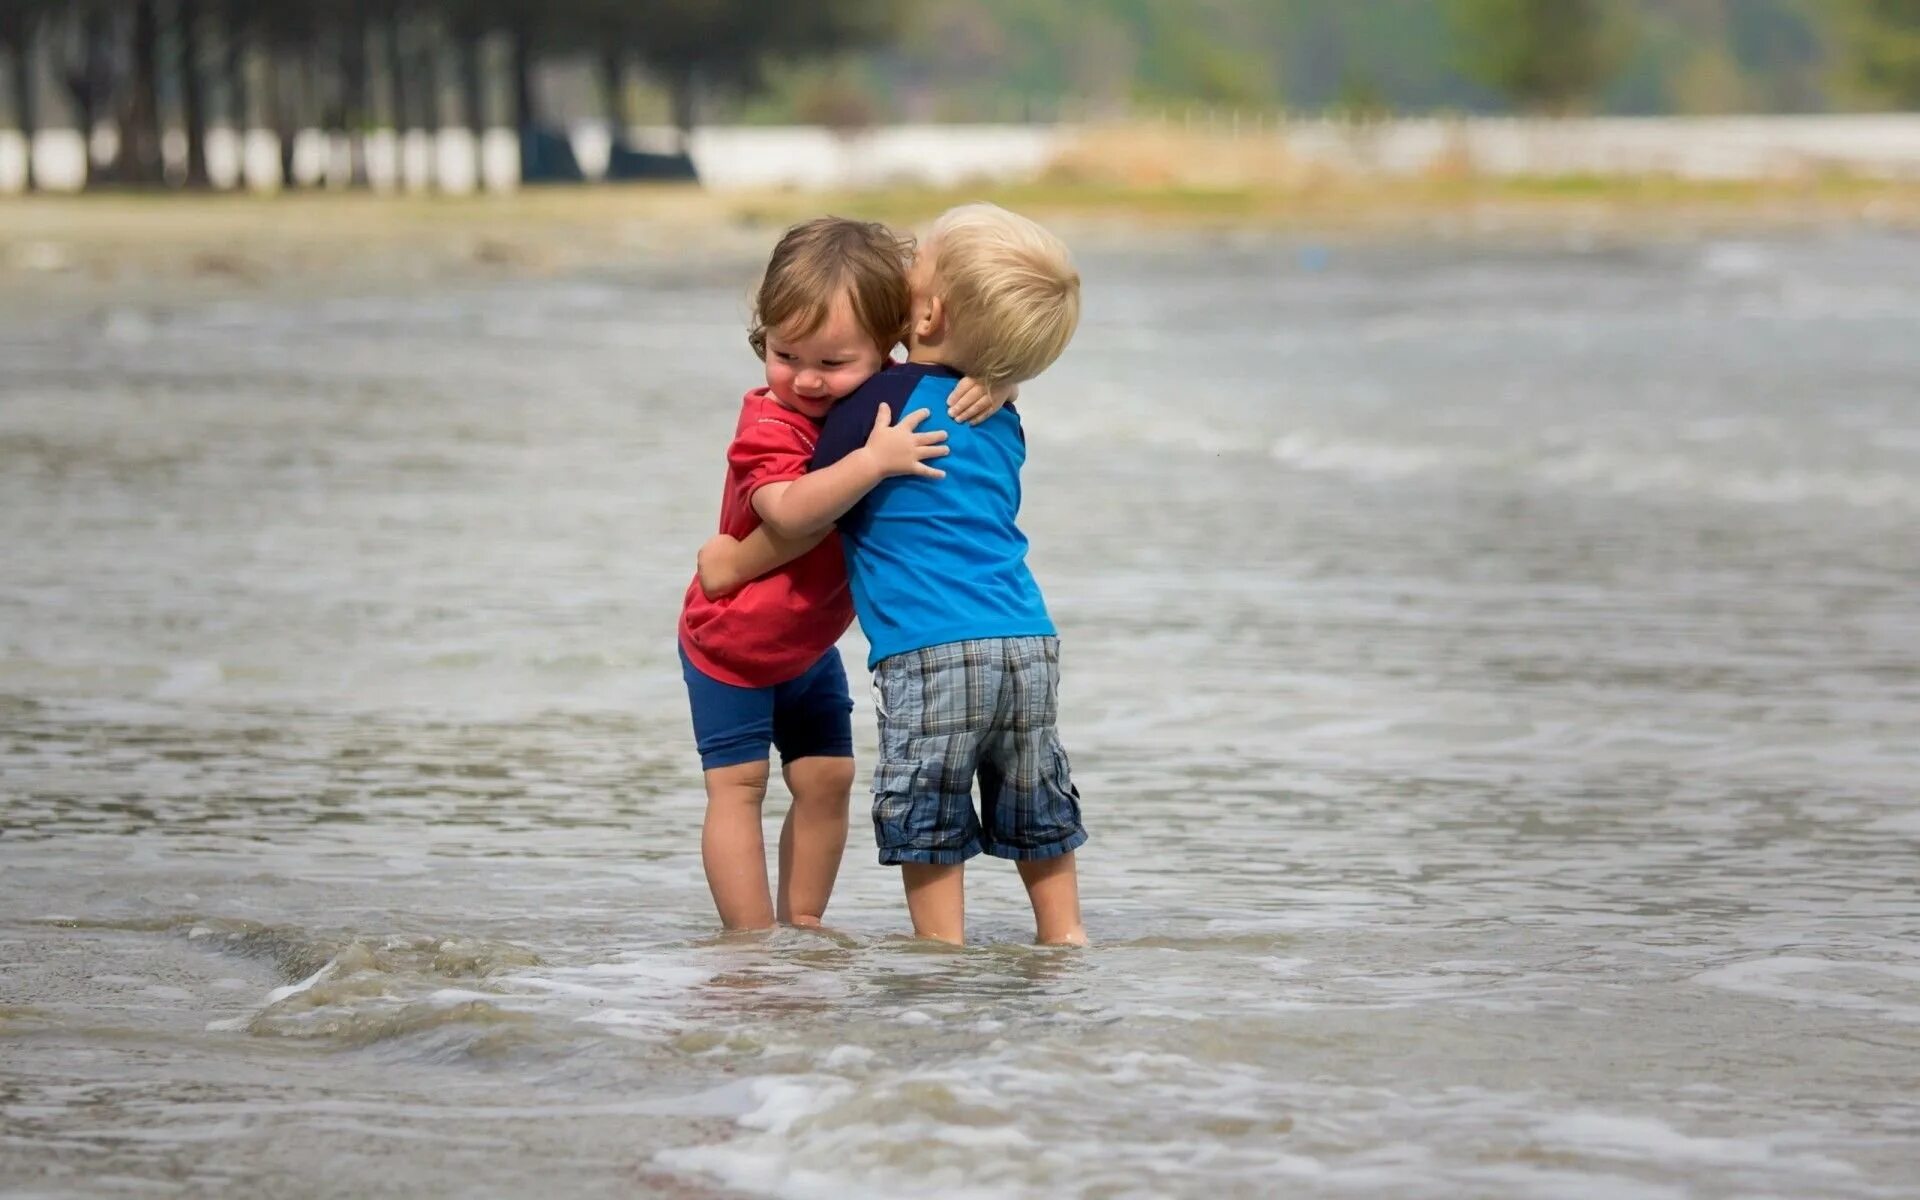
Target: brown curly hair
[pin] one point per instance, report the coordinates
(818, 260)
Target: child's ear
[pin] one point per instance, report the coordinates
(932, 319)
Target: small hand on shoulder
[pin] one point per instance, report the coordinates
(973, 402)
(903, 450)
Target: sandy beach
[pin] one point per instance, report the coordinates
(150, 248)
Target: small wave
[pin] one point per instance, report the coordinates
(1263, 942)
(1779, 979)
(1612, 1136)
(356, 992)
(190, 678)
(1652, 473)
(818, 1138)
(1374, 461)
(1598, 469)
(1736, 260)
(644, 995)
(1560, 467)
(1122, 430)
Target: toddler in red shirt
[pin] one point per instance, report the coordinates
(760, 664)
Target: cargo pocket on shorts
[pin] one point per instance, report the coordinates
(893, 804)
(1062, 797)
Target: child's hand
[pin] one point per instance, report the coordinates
(718, 576)
(973, 402)
(898, 450)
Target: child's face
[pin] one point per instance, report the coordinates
(807, 374)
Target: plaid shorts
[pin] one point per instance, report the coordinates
(983, 709)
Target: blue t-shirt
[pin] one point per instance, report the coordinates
(934, 561)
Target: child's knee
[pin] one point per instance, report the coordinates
(821, 780)
(837, 780)
(742, 783)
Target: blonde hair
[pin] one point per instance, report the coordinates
(816, 262)
(1011, 290)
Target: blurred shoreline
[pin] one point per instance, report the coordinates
(134, 247)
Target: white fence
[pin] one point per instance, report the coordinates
(806, 157)
(450, 161)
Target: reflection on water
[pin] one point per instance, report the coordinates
(1492, 676)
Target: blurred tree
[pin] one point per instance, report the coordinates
(1881, 40)
(193, 101)
(354, 100)
(835, 101)
(1399, 47)
(20, 22)
(1549, 56)
(393, 23)
(302, 61)
(527, 26)
(1710, 81)
(1209, 55)
(470, 23)
(88, 70)
(607, 32)
(965, 59)
(140, 156)
(1361, 99)
(1717, 56)
(237, 21)
(694, 46)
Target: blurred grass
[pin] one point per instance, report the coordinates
(1336, 205)
(295, 215)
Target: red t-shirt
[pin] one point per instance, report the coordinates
(777, 626)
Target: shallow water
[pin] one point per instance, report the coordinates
(1492, 676)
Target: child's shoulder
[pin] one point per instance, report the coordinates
(767, 423)
(889, 385)
(893, 385)
(759, 402)
(891, 377)
(759, 407)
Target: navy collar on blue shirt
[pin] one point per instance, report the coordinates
(941, 370)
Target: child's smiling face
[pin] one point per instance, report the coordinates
(807, 373)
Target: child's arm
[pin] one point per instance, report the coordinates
(811, 504)
(973, 402)
(728, 563)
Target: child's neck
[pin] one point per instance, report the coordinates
(932, 355)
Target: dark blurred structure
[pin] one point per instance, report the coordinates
(141, 75)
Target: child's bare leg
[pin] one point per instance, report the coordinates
(814, 837)
(1053, 887)
(937, 900)
(732, 848)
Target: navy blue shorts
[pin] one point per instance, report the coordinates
(808, 717)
